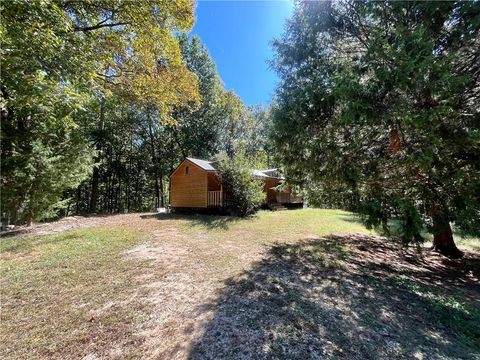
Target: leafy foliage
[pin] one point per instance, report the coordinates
(60, 59)
(378, 100)
(137, 150)
(244, 193)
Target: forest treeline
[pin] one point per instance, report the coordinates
(102, 99)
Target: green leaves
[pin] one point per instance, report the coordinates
(244, 193)
(371, 70)
(58, 57)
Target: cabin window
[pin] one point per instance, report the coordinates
(186, 170)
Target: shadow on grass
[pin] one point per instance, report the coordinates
(16, 245)
(341, 297)
(351, 218)
(208, 221)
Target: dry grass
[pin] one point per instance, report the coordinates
(277, 285)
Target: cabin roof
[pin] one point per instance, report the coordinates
(274, 173)
(259, 173)
(204, 164)
(208, 165)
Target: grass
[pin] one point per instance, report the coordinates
(321, 298)
(55, 290)
(468, 243)
(464, 242)
(450, 310)
(293, 284)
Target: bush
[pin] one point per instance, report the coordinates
(243, 192)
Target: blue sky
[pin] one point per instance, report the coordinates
(238, 35)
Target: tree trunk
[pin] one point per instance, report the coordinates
(118, 195)
(94, 192)
(29, 219)
(129, 170)
(177, 141)
(442, 234)
(13, 214)
(157, 192)
(96, 175)
(162, 197)
(156, 174)
(77, 204)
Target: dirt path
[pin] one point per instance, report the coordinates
(197, 313)
(72, 223)
(181, 288)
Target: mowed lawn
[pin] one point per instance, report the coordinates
(297, 284)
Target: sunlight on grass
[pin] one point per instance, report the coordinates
(301, 222)
(472, 244)
(55, 285)
(77, 293)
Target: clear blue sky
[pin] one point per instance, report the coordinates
(238, 35)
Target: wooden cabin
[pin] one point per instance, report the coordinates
(197, 183)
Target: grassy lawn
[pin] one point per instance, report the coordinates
(291, 285)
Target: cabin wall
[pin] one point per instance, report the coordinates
(188, 190)
(214, 183)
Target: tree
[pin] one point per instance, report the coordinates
(244, 193)
(139, 150)
(60, 60)
(380, 100)
(256, 140)
(197, 131)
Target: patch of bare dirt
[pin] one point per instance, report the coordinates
(177, 286)
(72, 223)
(381, 258)
(316, 298)
(346, 297)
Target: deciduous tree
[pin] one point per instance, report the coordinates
(57, 58)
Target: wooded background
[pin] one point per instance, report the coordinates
(377, 110)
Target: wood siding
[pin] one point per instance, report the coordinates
(214, 183)
(284, 197)
(188, 190)
(200, 188)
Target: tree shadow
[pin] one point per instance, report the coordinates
(349, 297)
(208, 221)
(24, 244)
(351, 218)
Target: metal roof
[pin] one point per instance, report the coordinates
(259, 173)
(212, 166)
(272, 173)
(204, 164)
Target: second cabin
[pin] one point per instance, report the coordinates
(197, 183)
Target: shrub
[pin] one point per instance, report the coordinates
(244, 193)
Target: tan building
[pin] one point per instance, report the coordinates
(197, 183)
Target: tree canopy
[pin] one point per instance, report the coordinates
(58, 59)
(378, 103)
(101, 99)
(376, 111)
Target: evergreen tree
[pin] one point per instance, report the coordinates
(380, 101)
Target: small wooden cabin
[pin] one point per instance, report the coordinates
(197, 183)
